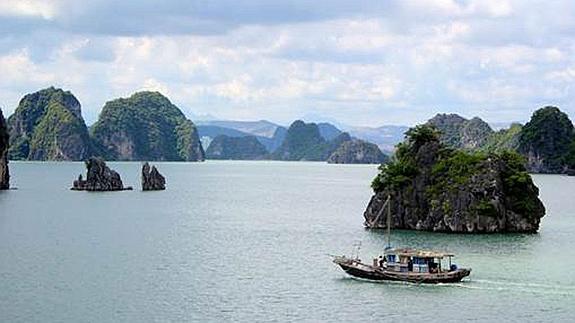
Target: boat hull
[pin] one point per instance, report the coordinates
(357, 269)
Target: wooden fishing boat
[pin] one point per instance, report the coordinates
(410, 265)
(404, 264)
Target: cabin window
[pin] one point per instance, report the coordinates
(390, 258)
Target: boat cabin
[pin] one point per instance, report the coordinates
(417, 261)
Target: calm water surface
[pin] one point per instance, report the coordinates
(248, 241)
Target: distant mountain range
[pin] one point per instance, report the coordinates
(48, 125)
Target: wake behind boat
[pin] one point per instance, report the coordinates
(404, 264)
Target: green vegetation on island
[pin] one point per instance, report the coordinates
(146, 126)
(238, 148)
(48, 125)
(357, 152)
(546, 141)
(437, 188)
(460, 133)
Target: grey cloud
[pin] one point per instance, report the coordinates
(148, 17)
(98, 50)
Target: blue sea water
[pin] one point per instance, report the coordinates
(248, 241)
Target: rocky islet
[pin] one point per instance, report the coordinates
(434, 188)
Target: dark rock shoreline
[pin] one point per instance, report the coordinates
(4, 139)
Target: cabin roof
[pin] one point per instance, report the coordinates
(418, 253)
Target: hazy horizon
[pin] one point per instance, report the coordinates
(360, 63)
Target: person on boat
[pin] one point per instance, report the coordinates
(381, 261)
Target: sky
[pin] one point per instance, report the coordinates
(364, 63)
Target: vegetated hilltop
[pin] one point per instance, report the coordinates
(458, 132)
(146, 126)
(303, 141)
(436, 188)
(357, 152)
(236, 148)
(48, 125)
(547, 141)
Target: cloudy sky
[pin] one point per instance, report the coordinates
(359, 62)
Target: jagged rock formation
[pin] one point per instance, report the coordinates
(304, 141)
(357, 152)
(238, 148)
(458, 132)
(99, 178)
(4, 140)
(435, 188)
(546, 140)
(146, 126)
(152, 180)
(48, 125)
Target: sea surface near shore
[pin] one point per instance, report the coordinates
(249, 241)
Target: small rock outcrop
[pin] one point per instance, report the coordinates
(152, 180)
(435, 188)
(357, 152)
(99, 178)
(4, 173)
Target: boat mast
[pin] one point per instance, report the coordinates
(388, 235)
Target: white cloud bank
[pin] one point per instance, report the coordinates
(361, 63)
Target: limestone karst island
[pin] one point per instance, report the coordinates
(287, 161)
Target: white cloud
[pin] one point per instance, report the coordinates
(365, 67)
(40, 8)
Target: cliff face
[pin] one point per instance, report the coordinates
(238, 148)
(146, 126)
(434, 188)
(4, 173)
(48, 125)
(458, 132)
(357, 152)
(546, 140)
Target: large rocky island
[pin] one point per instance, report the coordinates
(436, 188)
(146, 126)
(547, 141)
(4, 173)
(48, 125)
